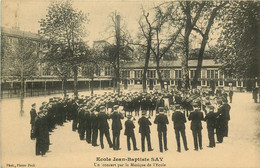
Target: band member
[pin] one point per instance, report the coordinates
(88, 126)
(41, 133)
(179, 120)
(161, 120)
(210, 118)
(116, 127)
(94, 127)
(104, 127)
(144, 130)
(33, 115)
(196, 116)
(129, 132)
(81, 123)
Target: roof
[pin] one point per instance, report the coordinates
(20, 33)
(174, 63)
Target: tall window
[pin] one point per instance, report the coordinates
(108, 71)
(151, 74)
(178, 74)
(138, 74)
(212, 74)
(125, 74)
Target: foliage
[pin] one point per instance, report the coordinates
(239, 41)
(19, 58)
(64, 28)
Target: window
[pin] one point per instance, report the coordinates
(125, 74)
(46, 72)
(178, 74)
(239, 83)
(151, 74)
(203, 73)
(203, 83)
(138, 74)
(97, 72)
(192, 73)
(212, 74)
(172, 82)
(108, 71)
(165, 74)
(221, 83)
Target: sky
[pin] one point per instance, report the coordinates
(29, 12)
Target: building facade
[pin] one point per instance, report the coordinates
(210, 76)
(45, 82)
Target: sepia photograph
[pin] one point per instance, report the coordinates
(130, 84)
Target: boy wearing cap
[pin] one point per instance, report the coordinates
(144, 130)
(161, 120)
(104, 127)
(210, 118)
(94, 126)
(196, 117)
(116, 127)
(179, 121)
(129, 132)
(33, 115)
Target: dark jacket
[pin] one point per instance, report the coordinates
(33, 116)
(161, 120)
(41, 130)
(88, 119)
(210, 118)
(129, 127)
(144, 125)
(179, 120)
(102, 121)
(94, 121)
(223, 112)
(116, 120)
(196, 118)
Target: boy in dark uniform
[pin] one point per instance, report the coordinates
(94, 126)
(161, 120)
(179, 121)
(144, 130)
(129, 132)
(210, 118)
(104, 127)
(116, 127)
(196, 117)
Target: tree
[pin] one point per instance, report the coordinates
(189, 8)
(238, 45)
(65, 26)
(147, 33)
(209, 16)
(117, 53)
(19, 60)
(165, 37)
(59, 64)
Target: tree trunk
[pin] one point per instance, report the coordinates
(199, 65)
(159, 73)
(75, 82)
(203, 45)
(91, 86)
(22, 97)
(147, 58)
(64, 84)
(185, 66)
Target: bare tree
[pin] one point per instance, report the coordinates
(20, 61)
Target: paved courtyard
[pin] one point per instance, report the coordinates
(240, 149)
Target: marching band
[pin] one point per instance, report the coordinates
(90, 115)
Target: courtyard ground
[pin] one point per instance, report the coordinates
(240, 149)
